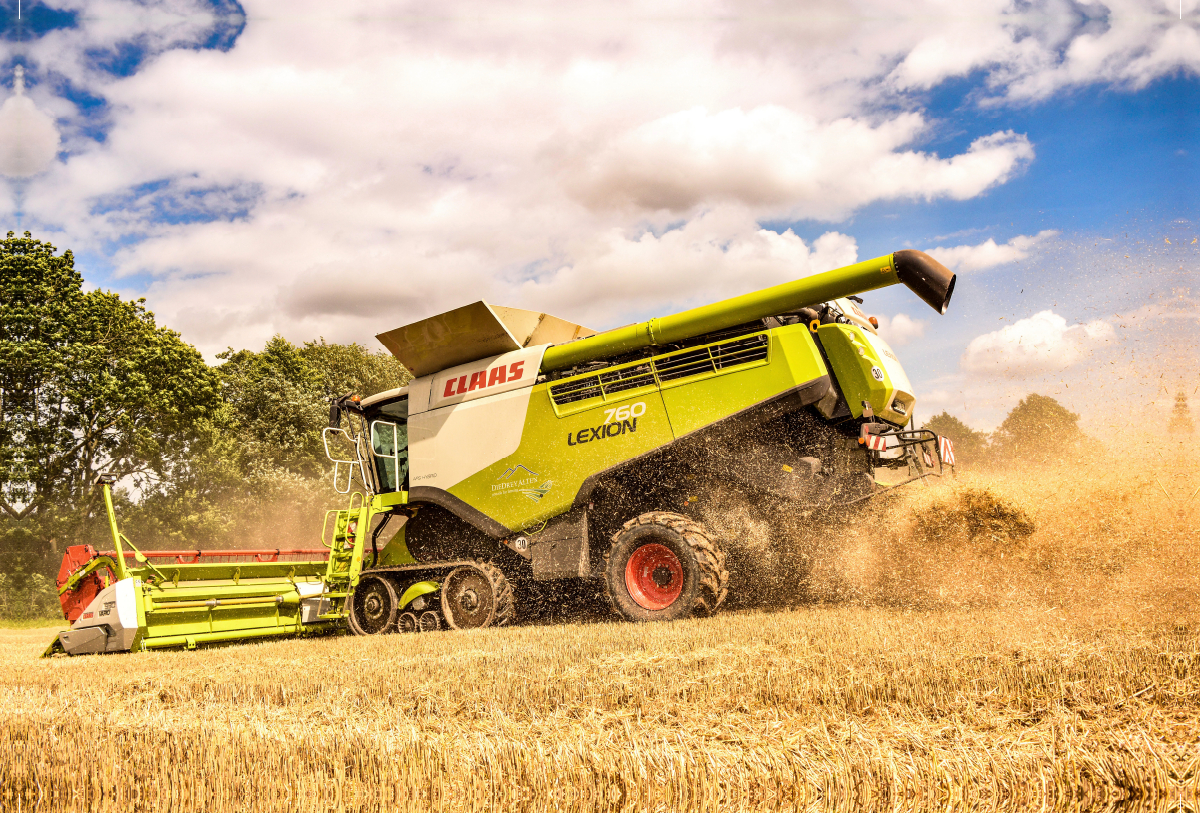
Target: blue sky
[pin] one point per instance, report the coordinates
(295, 168)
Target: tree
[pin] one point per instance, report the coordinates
(277, 400)
(88, 384)
(970, 445)
(1039, 429)
(277, 408)
(259, 472)
(353, 368)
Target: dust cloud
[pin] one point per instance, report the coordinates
(1112, 535)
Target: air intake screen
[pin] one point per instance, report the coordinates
(712, 359)
(698, 361)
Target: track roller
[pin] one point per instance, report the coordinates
(429, 622)
(374, 606)
(476, 595)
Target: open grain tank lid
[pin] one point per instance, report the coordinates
(474, 332)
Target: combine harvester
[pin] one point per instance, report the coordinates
(527, 448)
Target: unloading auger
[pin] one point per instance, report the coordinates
(529, 449)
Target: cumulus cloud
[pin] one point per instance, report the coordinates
(111, 32)
(784, 163)
(719, 254)
(1179, 307)
(28, 137)
(601, 163)
(988, 253)
(901, 329)
(1043, 343)
(1125, 43)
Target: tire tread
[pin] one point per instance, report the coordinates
(714, 577)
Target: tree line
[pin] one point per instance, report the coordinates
(206, 455)
(1038, 430)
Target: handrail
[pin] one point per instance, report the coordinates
(350, 465)
(106, 482)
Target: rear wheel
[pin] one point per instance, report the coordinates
(663, 566)
(374, 606)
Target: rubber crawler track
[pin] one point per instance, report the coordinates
(506, 611)
(714, 578)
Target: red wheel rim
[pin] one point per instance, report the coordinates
(654, 576)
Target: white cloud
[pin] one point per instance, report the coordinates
(1180, 306)
(901, 329)
(1041, 344)
(1128, 44)
(988, 253)
(116, 27)
(343, 288)
(28, 137)
(340, 171)
(719, 254)
(783, 163)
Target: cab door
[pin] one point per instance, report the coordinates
(389, 447)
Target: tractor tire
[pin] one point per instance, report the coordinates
(477, 595)
(373, 607)
(664, 566)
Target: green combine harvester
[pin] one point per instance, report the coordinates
(528, 449)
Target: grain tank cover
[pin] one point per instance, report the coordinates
(474, 332)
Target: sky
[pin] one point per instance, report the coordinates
(338, 170)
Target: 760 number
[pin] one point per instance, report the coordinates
(624, 413)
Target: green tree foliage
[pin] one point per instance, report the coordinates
(278, 399)
(88, 383)
(346, 368)
(219, 456)
(970, 445)
(259, 476)
(276, 408)
(1038, 430)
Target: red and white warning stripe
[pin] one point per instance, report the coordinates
(946, 450)
(927, 456)
(872, 442)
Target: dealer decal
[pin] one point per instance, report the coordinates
(521, 480)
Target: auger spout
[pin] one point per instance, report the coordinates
(925, 276)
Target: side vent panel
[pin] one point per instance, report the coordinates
(712, 359)
(669, 369)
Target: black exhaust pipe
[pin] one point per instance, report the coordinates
(925, 277)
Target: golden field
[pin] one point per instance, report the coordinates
(982, 644)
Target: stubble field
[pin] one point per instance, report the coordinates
(1002, 642)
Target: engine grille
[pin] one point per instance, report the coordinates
(713, 358)
(693, 362)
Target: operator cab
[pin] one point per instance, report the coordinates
(386, 415)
